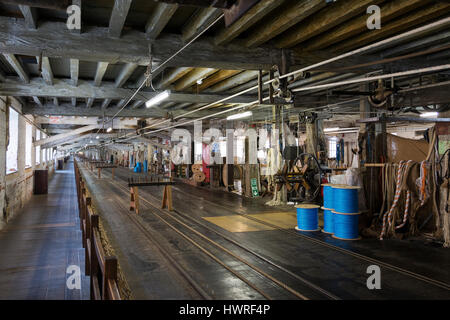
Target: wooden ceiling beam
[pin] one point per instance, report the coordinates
(159, 18)
(68, 110)
(287, 17)
(216, 78)
(356, 26)
(86, 89)
(118, 17)
(397, 26)
(100, 72)
(57, 41)
(30, 16)
(170, 77)
(125, 74)
(47, 73)
(192, 77)
(255, 14)
(332, 16)
(201, 19)
(17, 66)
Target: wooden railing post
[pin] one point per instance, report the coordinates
(93, 258)
(84, 221)
(109, 274)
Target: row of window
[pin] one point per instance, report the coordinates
(13, 146)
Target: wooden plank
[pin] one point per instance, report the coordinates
(125, 74)
(170, 77)
(47, 73)
(287, 17)
(255, 14)
(37, 100)
(159, 19)
(390, 10)
(330, 17)
(216, 78)
(85, 89)
(17, 66)
(65, 135)
(118, 17)
(74, 70)
(395, 27)
(200, 20)
(57, 41)
(30, 16)
(192, 77)
(100, 72)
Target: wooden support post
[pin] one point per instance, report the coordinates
(260, 87)
(271, 76)
(94, 261)
(99, 173)
(134, 199)
(112, 169)
(83, 221)
(88, 242)
(109, 274)
(167, 197)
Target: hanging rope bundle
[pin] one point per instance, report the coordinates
(402, 168)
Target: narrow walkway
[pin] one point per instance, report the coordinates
(39, 244)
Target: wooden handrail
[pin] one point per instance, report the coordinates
(98, 265)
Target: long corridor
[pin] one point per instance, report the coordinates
(41, 242)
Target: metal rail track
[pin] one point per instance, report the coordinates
(365, 258)
(403, 271)
(256, 269)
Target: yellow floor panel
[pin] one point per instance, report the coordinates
(236, 223)
(285, 220)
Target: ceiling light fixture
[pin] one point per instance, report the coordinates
(109, 129)
(199, 81)
(240, 115)
(158, 98)
(429, 115)
(330, 129)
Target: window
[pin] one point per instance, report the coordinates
(48, 154)
(38, 148)
(44, 156)
(332, 147)
(28, 144)
(11, 152)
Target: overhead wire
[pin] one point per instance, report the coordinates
(340, 57)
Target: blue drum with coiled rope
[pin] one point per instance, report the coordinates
(307, 217)
(328, 221)
(345, 199)
(346, 226)
(328, 199)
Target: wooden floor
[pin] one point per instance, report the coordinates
(344, 274)
(39, 244)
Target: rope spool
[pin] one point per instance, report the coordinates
(328, 221)
(345, 199)
(197, 168)
(199, 177)
(307, 217)
(346, 226)
(328, 199)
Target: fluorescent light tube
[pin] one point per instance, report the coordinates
(330, 129)
(157, 99)
(240, 115)
(429, 115)
(109, 129)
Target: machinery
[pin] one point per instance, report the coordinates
(302, 178)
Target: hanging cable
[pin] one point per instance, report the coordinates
(340, 57)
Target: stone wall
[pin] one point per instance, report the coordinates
(16, 188)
